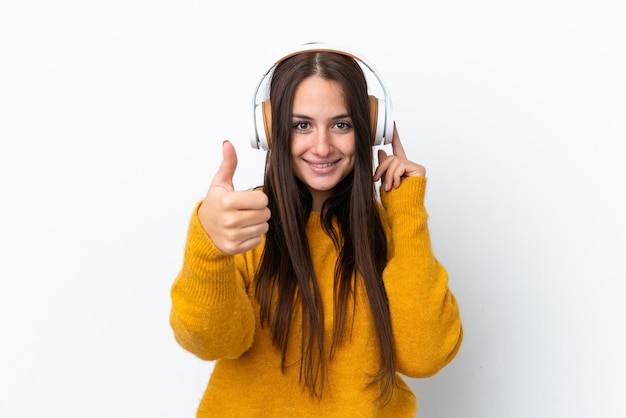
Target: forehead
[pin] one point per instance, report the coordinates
(316, 91)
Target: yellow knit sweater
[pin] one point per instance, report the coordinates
(216, 316)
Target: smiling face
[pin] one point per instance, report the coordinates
(322, 137)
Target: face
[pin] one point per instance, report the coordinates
(322, 137)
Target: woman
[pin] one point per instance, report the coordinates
(311, 293)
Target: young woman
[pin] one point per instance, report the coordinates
(312, 293)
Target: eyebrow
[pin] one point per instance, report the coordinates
(341, 116)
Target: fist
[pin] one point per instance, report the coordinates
(235, 220)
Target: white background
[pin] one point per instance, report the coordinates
(111, 119)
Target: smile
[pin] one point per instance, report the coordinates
(322, 167)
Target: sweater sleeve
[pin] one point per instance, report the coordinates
(211, 313)
(425, 316)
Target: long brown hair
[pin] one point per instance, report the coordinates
(286, 276)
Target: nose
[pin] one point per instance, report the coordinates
(322, 143)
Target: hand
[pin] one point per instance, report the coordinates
(392, 168)
(235, 221)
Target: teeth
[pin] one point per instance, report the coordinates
(322, 165)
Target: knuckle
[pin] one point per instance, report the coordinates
(263, 199)
(231, 236)
(228, 221)
(228, 200)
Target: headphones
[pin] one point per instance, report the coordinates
(380, 108)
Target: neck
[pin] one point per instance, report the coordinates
(318, 199)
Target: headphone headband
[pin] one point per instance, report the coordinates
(261, 110)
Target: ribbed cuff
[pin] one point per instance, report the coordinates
(408, 199)
(211, 271)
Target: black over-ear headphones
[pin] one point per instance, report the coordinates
(380, 107)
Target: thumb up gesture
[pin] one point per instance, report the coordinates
(235, 220)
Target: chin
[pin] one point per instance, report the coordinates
(322, 187)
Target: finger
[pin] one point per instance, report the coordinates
(224, 175)
(245, 200)
(384, 172)
(238, 247)
(391, 175)
(394, 170)
(249, 244)
(256, 230)
(243, 239)
(242, 219)
(396, 145)
(382, 156)
(380, 170)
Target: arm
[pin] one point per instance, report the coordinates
(425, 316)
(211, 313)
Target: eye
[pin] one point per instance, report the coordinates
(343, 125)
(301, 125)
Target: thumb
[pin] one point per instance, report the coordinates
(226, 171)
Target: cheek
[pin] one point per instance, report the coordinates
(351, 164)
(295, 148)
(294, 154)
(350, 151)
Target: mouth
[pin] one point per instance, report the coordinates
(321, 167)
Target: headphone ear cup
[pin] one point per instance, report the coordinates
(262, 126)
(377, 119)
(267, 123)
(373, 116)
